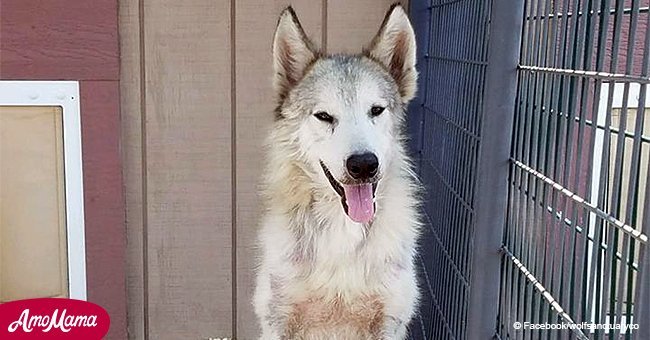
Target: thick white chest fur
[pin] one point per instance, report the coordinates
(323, 276)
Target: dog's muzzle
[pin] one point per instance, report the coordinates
(357, 199)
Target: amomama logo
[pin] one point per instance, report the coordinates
(64, 322)
(52, 318)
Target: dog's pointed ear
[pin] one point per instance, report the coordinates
(394, 47)
(293, 52)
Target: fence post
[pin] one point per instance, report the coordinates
(493, 165)
(642, 295)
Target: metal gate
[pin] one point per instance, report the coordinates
(530, 140)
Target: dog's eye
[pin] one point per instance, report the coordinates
(376, 110)
(324, 116)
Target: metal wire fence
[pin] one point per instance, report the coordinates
(463, 91)
(532, 139)
(576, 231)
(456, 52)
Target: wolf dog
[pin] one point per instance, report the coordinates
(340, 224)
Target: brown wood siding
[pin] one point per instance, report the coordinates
(132, 157)
(188, 168)
(78, 40)
(196, 105)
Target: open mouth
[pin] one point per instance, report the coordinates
(358, 199)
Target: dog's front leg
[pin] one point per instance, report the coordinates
(275, 309)
(394, 329)
(401, 303)
(268, 333)
(272, 324)
(267, 307)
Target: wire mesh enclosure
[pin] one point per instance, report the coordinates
(576, 230)
(453, 67)
(532, 140)
(460, 127)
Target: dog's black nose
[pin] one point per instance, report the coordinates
(362, 166)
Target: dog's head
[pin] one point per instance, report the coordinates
(345, 112)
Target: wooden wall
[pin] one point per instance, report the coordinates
(196, 104)
(78, 40)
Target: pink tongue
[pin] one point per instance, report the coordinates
(361, 208)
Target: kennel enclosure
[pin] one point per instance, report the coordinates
(531, 137)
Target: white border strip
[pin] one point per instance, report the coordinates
(66, 95)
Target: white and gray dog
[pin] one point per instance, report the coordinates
(338, 235)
